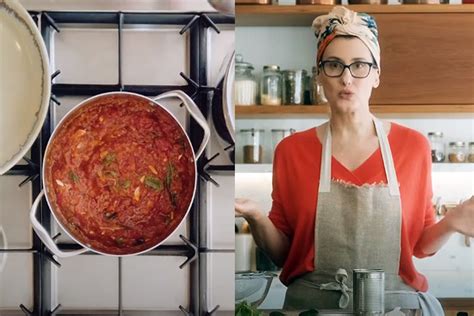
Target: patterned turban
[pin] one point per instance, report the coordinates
(342, 21)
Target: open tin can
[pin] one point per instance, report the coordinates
(369, 292)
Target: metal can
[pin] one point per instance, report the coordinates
(368, 292)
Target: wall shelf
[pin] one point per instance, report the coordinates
(261, 111)
(437, 167)
(303, 15)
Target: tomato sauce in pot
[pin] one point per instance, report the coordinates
(120, 174)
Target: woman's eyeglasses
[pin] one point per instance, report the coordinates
(358, 69)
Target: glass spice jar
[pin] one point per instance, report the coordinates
(437, 146)
(293, 86)
(252, 145)
(271, 85)
(457, 152)
(307, 89)
(470, 157)
(317, 92)
(245, 83)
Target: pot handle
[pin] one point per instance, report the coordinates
(195, 113)
(4, 246)
(45, 237)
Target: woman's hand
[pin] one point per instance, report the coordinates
(247, 209)
(461, 218)
(264, 232)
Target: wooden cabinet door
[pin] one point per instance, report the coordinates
(426, 58)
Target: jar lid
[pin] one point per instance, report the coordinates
(459, 144)
(288, 73)
(303, 71)
(280, 130)
(240, 63)
(439, 134)
(271, 67)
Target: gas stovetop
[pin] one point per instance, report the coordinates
(147, 53)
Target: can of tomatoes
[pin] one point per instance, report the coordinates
(368, 292)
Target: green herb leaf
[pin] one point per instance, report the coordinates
(244, 309)
(120, 241)
(73, 176)
(125, 184)
(169, 174)
(153, 183)
(109, 158)
(174, 199)
(110, 173)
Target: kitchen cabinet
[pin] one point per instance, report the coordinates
(426, 66)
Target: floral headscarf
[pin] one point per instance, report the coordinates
(342, 21)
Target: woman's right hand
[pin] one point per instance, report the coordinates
(247, 209)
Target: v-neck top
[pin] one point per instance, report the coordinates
(296, 170)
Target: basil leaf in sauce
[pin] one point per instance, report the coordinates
(153, 183)
(109, 158)
(73, 176)
(169, 174)
(110, 173)
(125, 184)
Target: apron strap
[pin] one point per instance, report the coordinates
(339, 285)
(387, 158)
(325, 177)
(389, 165)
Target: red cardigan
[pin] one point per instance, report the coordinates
(296, 169)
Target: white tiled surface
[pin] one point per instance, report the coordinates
(148, 60)
(219, 213)
(86, 282)
(220, 281)
(149, 283)
(15, 203)
(220, 45)
(16, 282)
(85, 55)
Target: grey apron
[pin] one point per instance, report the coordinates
(357, 227)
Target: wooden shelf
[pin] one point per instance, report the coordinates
(284, 111)
(303, 15)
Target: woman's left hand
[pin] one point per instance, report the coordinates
(461, 218)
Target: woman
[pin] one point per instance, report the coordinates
(354, 192)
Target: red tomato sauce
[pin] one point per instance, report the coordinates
(120, 174)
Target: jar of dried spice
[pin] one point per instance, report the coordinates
(457, 152)
(437, 146)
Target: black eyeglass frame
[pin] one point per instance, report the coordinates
(371, 65)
